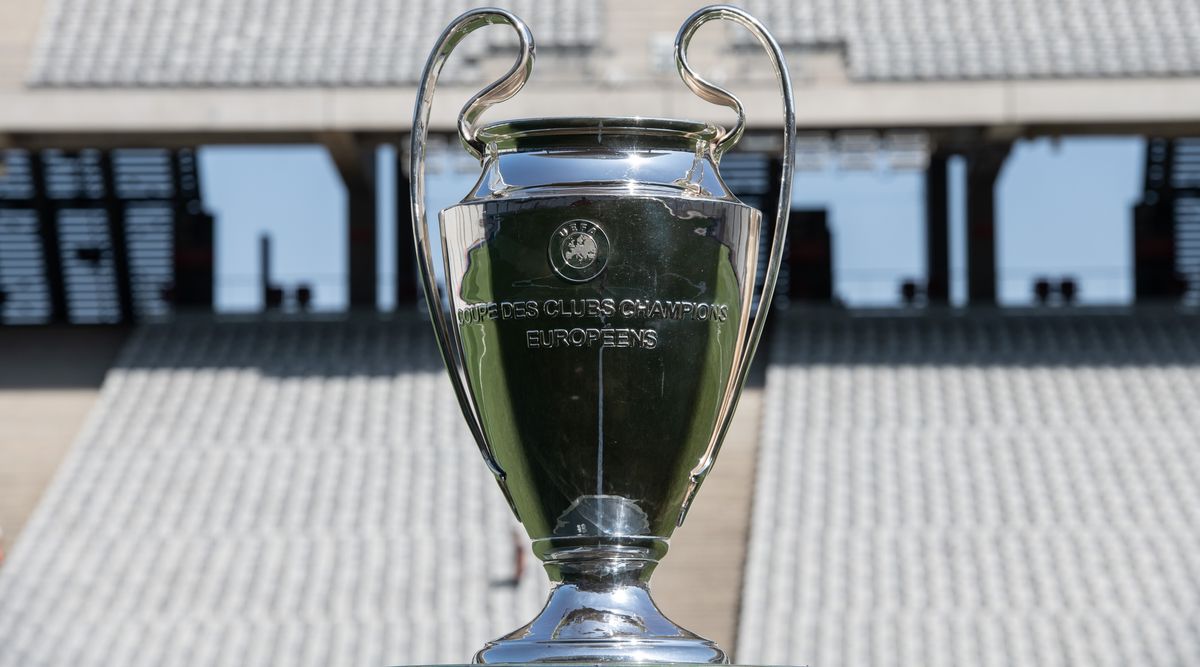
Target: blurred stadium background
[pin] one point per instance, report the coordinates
(936, 474)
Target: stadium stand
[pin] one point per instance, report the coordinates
(254, 493)
(983, 489)
(102, 43)
(915, 40)
(938, 487)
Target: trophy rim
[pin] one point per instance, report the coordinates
(521, 133)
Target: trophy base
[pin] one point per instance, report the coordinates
(596, 623)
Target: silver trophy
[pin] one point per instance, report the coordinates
(595, 317)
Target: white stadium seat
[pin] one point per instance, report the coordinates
(274, 42)
(983, 490)
(268, 493)
(382, 42)
(991, 39)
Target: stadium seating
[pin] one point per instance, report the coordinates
(275, 42)
(977, 490)
(377, 42)
(263, 493)
(910, 40)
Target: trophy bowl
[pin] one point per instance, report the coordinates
(594, 313)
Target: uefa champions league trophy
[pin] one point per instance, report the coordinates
(595, 317)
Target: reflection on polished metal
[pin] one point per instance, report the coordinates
(594, 312)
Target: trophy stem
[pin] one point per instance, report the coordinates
(600, 610)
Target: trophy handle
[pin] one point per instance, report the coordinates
(717, 95)
(498, 91)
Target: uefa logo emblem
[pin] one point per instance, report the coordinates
(578, 250)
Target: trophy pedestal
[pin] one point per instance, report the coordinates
(600, 611)
(601, 624)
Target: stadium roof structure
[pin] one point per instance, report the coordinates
(164, 71)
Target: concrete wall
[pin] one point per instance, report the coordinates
(19, 20)
(49, 379)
